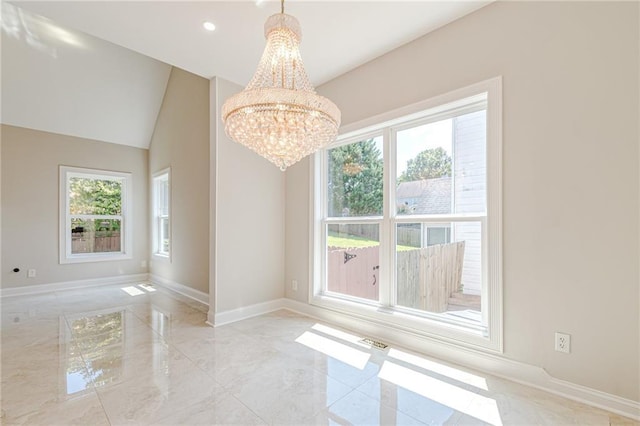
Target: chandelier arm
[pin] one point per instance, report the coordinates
(281, 6)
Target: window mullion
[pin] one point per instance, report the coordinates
(437, 218)
(386, 232)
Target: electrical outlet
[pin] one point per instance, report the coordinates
(294, 285)
(31, 273)
(143, 263)
(563, 342)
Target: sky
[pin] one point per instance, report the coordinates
(416, 139)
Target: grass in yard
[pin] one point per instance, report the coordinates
(353, 241)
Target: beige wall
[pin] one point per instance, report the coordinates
(181, 141)
(570, 162)
(30, 170)
(297, 230)
(249, 212)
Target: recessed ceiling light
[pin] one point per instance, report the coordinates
(209, 26)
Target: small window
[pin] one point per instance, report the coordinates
(95, 217)
(161, 218)
(438, 235)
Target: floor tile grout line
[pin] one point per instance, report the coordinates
(248, 408)
(104, 410)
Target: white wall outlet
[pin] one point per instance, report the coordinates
(143, 263)
(563, 342)
(31, 273)
(294, 285)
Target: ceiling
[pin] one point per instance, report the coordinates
(338, 36)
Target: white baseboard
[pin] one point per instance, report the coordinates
(70, 285)
(499, 366)
(245, 312)
(606, 401)
(182, 289)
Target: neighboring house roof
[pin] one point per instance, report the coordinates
(428, 196)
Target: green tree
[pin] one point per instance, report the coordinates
(95, 196)
(355, 180)
(430, 163)
(89, 196)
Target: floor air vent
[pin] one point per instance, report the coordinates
(374, 343)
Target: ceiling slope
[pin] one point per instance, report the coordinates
(63, 81)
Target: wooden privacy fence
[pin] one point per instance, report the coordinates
(354, 271)
(409, 236)
(426, 277)
(84, 243)
(406, 234)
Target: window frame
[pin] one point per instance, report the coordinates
(489, 336)
(126, 234)
(164, 174)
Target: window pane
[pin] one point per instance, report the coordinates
(95, 196)
(162, 195)
(95, 235)
(424, 169)
(444, 274)
(164, 236)
(355, 179)
(442, 166)
(353, 260)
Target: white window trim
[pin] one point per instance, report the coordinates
(126, 231)
(492, 305)
(154, 218)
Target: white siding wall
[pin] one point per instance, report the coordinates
(469, 192)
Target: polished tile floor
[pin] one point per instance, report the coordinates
(134, 355)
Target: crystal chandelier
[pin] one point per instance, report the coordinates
(279, 115)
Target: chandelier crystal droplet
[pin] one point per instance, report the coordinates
(279, 115)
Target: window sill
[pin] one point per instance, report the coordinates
(162, 257)
(95, 257)
(452, 333)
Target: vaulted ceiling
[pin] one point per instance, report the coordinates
(98, 70)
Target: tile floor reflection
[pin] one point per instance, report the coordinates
(142, 355)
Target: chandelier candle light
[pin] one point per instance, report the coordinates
(279, 115)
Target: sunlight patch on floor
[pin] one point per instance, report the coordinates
(485, 409)
(444, 370)
(147, 287)
(351, 338)
(132, 291)
(336, 350)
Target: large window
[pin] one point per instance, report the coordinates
(95, 217)
(161, 221)
(407, 219)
